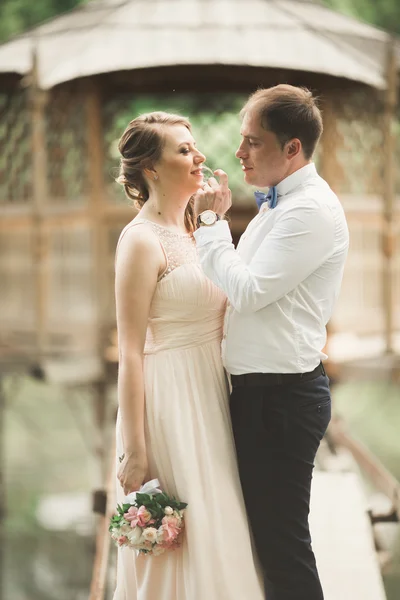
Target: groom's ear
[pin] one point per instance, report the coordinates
(293, 148)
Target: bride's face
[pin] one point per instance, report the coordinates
(180, 163)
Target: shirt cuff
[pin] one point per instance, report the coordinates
(208, 233)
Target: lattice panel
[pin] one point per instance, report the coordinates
(16, 149)
(396, 278)
(396, 131)
(359, 142)
(67, 151)
(17, 289)
(71, 278)
(113, 234)
(359, 307)
(215, 122)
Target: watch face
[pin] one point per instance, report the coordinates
(208, 217)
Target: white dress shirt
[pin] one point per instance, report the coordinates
(283, 279)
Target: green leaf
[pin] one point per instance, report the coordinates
(162, 499)
(143, 499)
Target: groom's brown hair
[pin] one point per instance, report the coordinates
(289, 112)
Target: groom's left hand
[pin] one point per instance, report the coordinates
(214, 196)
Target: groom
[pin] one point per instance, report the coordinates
(281, 283)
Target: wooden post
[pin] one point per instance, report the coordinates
(97, 203)
(3, 498)
(388, 236)
(103, 540)
(330, 168)
(332, 172)
(99, 248)
(38, 100)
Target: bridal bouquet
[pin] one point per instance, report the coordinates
(148, 521)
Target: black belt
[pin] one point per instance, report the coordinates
(266, 379)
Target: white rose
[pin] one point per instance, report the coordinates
(168, 510)
(135, 535)
(160, 534)
(146, 546)
(150, 534)
(157, 550)
(125, 530)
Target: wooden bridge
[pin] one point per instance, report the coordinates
(342, 524)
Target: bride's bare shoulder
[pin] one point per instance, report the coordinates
(138, 240)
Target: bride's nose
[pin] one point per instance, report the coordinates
(200, 158)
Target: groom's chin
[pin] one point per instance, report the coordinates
(248, 176)
(250, 179)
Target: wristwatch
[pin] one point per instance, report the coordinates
(207, 217)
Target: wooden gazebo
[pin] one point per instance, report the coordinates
(64, 88)
(67, 89)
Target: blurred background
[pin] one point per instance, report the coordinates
(72, 75)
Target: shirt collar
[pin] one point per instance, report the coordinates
(295, 179)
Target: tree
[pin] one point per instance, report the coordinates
(18, 15)
(383, 13)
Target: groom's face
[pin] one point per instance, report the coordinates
(263, 160)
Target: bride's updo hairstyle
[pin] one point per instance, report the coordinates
(141, 147)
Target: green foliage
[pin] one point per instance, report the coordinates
(371, 412)
(18, 15)
(215, 122)
(383, 13)
(155, 504)
(45, 454)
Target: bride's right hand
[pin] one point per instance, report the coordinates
(133, 472)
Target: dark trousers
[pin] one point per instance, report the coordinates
(277, 431)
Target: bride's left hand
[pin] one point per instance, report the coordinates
(214, 196)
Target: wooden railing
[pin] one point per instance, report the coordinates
(377, 473)
(382, 479)
(106, 507)
(361, 308)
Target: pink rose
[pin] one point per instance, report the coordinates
(171, 529)
(171, 521)
(122, 540)
(131, 516)
(143, 516)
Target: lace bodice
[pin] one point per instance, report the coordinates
(187, 309)
(179, 248)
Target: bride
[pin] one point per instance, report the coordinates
(173, 421)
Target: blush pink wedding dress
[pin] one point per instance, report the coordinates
(189, 441)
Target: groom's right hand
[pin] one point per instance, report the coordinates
(214, 196)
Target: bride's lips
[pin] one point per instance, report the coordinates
(197, 172)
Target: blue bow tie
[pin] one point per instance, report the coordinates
(271, 198)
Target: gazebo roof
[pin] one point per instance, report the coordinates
(104, 36)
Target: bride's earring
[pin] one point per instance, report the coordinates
(155, 177)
